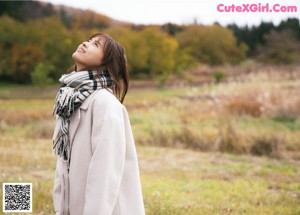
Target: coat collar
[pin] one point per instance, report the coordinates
(77, 116)
(87, 101)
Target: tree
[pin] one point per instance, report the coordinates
(24, 45)
(211, 44)
(40, 75)
(24, 58)
(172, 29)
(57, 43)
(161, 52)
(135, 49)
(151, 53)
(253, 36)
(26, 10)
(280, 48)
(292, 24)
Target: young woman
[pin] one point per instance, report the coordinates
(97, 168)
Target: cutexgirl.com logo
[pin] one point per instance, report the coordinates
(254, 8)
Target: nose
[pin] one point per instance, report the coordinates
(85, 44)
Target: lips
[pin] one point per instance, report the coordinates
(81, 49)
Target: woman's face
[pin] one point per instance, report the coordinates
(89, 54)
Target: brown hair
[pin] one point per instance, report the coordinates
(115, 63)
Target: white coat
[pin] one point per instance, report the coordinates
(103, 178)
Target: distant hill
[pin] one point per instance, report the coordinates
(71, 17)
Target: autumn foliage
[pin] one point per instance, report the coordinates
(45, 38)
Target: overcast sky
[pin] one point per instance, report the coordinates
(186, 11)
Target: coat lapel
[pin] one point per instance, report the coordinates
(75, 120)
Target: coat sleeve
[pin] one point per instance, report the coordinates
(57, 188)
(106, 167)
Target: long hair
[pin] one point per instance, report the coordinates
(115, 63)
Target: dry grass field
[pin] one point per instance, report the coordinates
(230, 148)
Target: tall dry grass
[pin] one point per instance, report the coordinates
(259, 116)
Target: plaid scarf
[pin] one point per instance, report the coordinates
(76, 87)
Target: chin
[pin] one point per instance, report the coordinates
(74, 56)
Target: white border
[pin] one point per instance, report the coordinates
(3, 194)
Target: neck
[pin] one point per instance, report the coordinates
(78, 68)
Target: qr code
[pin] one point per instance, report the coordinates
(17, 197)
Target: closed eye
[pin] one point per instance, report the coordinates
(97, 43)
